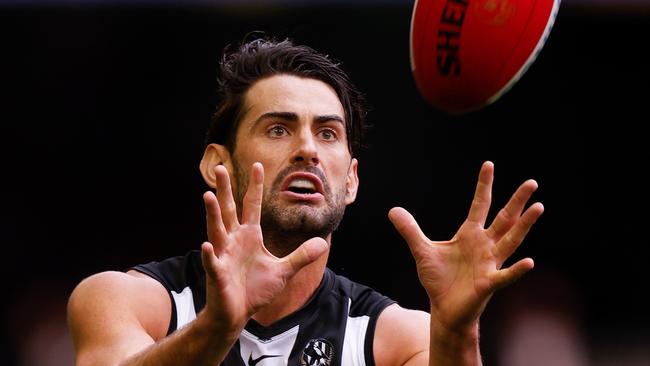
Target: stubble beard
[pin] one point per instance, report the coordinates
(286, 226)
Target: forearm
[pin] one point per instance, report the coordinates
(198, 343)
(453, 347)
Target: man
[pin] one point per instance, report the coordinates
(280, 156)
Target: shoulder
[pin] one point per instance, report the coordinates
(109, 309)
(176, 273)
(401, 336)
(130, 293)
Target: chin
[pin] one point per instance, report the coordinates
(306, 219)
(303, 221)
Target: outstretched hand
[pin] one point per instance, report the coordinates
(241, 275)
(460, 275)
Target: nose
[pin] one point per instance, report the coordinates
(306, 151)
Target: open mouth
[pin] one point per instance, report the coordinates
(302, 186)
(303, 183)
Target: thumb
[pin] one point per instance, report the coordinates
(406, 225)
(507, 276)
(307, 253)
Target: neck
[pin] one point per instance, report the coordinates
(298, 290)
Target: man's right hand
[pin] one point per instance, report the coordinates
(241, 274)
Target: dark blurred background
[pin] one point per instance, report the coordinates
(104, 106)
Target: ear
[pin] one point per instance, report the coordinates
(352, 182)
(214, 155)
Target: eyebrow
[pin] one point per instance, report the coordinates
(290, 116)
(329, 117)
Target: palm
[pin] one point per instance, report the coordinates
(247, 277)
(241, 275)
(461, 274)
(456, 274)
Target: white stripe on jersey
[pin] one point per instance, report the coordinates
(355, 338)
(185, 312)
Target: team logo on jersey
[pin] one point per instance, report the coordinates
(317, 352)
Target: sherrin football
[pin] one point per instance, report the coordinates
(465, 54)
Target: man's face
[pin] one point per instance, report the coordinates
(296, 128)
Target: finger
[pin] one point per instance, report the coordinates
(513, 238)
(483, 195)
(225, 198)
(253, 199)
(216, 230)
(406, 225)
(209, 259)
(307, 253)
(512, 210)
(507, 276)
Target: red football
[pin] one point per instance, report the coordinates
(465, 54)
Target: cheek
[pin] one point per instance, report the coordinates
(268, 156)
(268, 181)
(272, 167)
(340, 168)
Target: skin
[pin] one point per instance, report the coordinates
(122, 318)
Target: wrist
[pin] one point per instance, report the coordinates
(225, 329)
(453, 346)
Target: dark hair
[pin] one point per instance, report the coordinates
(260, 58)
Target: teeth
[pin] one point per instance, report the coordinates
(302, 183)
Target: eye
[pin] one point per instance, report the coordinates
(328, 134)
(277, 131)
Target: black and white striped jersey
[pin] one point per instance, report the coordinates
(335, 327)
